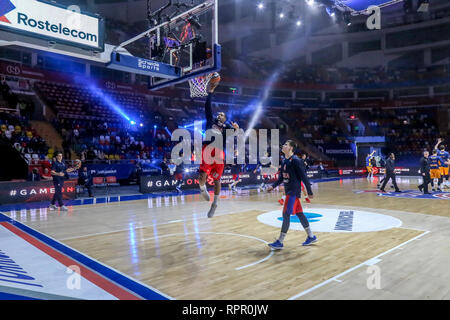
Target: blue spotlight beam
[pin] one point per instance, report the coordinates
(108, 101)
(361, 5)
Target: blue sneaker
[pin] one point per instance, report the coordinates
(277, 245)
(310, 240)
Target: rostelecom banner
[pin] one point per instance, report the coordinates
(48, 21)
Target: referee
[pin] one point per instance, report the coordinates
(59, 172)
(390, 173)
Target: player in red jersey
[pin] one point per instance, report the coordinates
(209, 166)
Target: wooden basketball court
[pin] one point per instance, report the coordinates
(168, 243)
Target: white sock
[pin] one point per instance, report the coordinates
(282, 235)
(309, 232)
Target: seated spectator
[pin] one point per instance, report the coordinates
(46, 174)
(34, 175)
(85, 180)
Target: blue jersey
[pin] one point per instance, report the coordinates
(58, 167)
(434, 161)
(292, 174)
(444, 155)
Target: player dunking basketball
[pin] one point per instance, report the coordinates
(292, 174)
(212, 168)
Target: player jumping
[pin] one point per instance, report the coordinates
(212, 168)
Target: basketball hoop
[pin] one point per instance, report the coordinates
(198, 85)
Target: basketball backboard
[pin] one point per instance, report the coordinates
(183, 43)
(182, 37)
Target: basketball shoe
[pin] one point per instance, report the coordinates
(277, 245)
(212, 210)
(309, 240)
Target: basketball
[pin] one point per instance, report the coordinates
(215, 79)
(213, 82)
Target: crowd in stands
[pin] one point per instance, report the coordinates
(97, 140)
(318, 128)
(18, 132)
(408, 131)
(293, 72)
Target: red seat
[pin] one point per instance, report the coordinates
(98, 180)
(111, 179)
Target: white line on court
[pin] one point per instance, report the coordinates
(222, 233)
(174, 221)
(367, 262)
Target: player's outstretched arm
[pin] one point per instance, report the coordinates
(208, 112)
(438, 143)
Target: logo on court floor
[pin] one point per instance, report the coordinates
(335, 220)
(415, 194)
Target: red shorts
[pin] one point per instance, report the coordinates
(214, 170)
(178, 176)
(293, 205)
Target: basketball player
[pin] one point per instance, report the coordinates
(292, 174)
(369, 165)
(59, 173)
(444, 155)
(266, 170)
(179, 170)
(435, 172)
(235, 171)
(215, 169)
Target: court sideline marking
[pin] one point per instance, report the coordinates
(80, 257)
(368, 262)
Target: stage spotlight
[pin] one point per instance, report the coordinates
(141, 125)
(310, 2)
(133, 122)
(281, 15)
(154, 127)
(330, 11)
(423, 5)
(260, 6)
(298, 23)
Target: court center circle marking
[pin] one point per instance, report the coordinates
(223, 233)
(334, 220)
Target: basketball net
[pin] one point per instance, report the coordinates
(198, 86)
